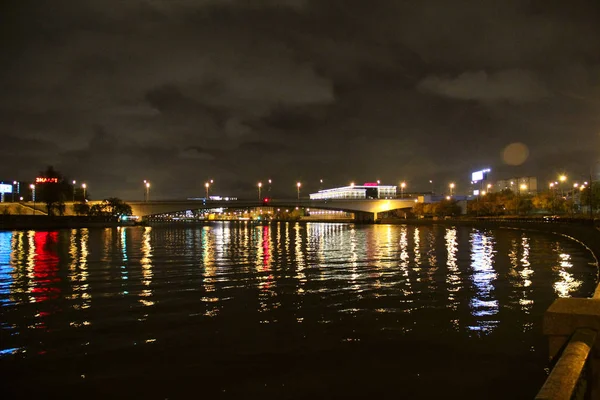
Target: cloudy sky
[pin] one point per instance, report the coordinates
(239, 91)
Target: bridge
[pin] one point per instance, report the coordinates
(365, 210)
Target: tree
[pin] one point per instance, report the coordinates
(81, 208)
(113, 207)
(53, 190)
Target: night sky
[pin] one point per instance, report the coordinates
(178, 92)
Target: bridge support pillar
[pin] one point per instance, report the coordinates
(363, 217)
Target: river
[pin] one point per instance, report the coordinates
(285, 310)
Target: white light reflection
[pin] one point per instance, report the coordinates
(124, 259)
(483, 304)
(453, 276)
(566, 283)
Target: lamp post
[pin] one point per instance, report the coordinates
(13, 191)
(74, 182)
(207, 185)
(298, 184)
(84, 187)
(402, 186)
(270, 187)
(32, 187)
(147, 184)
(259, 187)
(320, 184)
(522, 187)
(562, 179)
(431, 183)
(452, 186)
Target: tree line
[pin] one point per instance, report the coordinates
(57, 190)
(508, 202)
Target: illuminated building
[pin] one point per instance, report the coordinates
(353, 192)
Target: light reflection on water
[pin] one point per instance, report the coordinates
(65, 291)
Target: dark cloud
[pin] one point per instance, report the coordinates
(514, 86)
(180, 91)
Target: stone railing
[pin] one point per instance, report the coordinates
(572, 327)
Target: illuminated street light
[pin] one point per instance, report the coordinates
(74, 182)
(402, 186)
(562, 178)
(320, 184)
(84, 187)
(13, 190)
(270, 187)
(523, 187)
(207, 185)
(431, 183)
(452, 186)
(32, 187)
(147, 191)
(259, 188)
(298, 184)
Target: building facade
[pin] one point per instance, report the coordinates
(354, 192)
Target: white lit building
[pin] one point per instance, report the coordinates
(354, 192)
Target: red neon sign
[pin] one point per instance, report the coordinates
(46, 180)
(371, 184)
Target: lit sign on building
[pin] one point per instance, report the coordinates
(480, 175)
(46, 180)
(371, 184)
(5, 188)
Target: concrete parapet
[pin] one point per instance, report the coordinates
(567, 315)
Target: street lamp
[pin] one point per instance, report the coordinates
(74, 182)
(562, 179)
(147, 184)
(13, 190)
(32, 187)
(259, 187)
(452, 185)
(402, 186)
(207, 185)
(431, 183)
(298, 184)
(270, 187)
(84, 187)
(320, 184)
(522, 187)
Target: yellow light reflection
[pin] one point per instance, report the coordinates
(146, 263)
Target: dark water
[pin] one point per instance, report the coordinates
(281, 311)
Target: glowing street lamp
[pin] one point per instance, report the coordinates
(13, 190)
(32, 187)
(320, 184)
(74, 182)
(431, 183)
(84, 187)
(147, 191)
(259, 187)
(270, 187)
(452, 186)
(207, 185)
(402, 186)
(298, 184)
